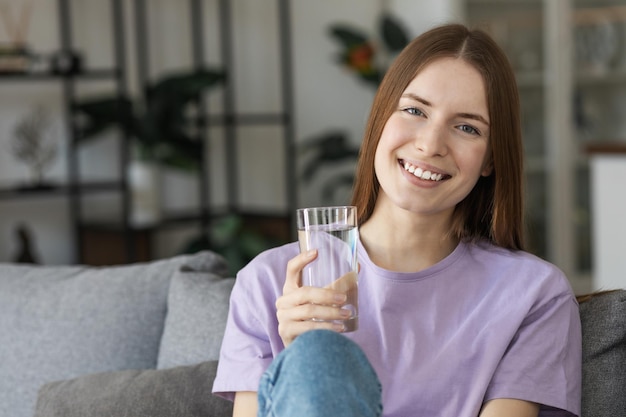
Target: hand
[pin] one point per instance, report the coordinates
(298, 305)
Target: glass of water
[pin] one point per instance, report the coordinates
(333, 232)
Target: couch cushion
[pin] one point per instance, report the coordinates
(174, 392)
(63, 321)
(603, 319)
(197, 309)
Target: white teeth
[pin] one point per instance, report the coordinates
(420, 173)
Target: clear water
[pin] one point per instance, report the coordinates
(336, 264)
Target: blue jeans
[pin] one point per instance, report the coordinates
(322, 373)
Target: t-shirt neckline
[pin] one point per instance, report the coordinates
(457, 253)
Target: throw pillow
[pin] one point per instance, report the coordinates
(180, 391)
(197, 309)
(59, 322)
(603, 319)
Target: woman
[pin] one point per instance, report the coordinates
(455, 318)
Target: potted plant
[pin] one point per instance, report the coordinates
(160, 130)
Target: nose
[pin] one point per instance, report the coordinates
(431, 140)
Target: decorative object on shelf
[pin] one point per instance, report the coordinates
(14, 60)
(596, 41)
(25, 245)
(359, 53)
(331, 148)
(159, 127)
(15, 56)
(66, 63)
(32, 144)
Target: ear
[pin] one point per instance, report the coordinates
(487, 169)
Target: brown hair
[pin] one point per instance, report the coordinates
(494, 208)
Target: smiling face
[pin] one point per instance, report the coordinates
(433, 148)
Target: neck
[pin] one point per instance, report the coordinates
(405, 242)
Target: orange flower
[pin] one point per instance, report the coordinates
(360, 57)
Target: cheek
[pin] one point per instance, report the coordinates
(474, 161)
(378, 159)
(384, 147)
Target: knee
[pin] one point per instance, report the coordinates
(329, 353)
(321, 372)
(325, 345)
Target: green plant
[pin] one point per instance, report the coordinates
(328, 149)
(159, 124)
(229, 237)
(359, 54)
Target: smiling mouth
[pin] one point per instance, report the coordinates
(427, 175)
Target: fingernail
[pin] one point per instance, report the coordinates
(338, 327)
(345, 313)
(339, 298)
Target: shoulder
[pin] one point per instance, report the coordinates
(521, 271)
(267, 269)
(508, 259)
(271, 259)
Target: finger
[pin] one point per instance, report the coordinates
(294, 269)
(307, 312)
(311, 295)
(289, 331)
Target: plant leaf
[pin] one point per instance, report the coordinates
(332, 185)
(98, 114)
(161, 129)
(331, 147)
(348, 36)
(185, 86)
(394, 36)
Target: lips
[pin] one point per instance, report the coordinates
(427, 174)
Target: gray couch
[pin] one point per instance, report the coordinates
(143, 340)
(133, 340)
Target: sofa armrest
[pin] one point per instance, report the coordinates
(603, 319)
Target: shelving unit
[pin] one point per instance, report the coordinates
(230, 119)
(545, 41)
(72, 188)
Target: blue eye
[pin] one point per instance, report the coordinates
(469, 129)
(414, 111)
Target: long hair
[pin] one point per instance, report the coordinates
(494, 209)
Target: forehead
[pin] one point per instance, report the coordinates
(450, 80)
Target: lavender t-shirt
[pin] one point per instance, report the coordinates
(483, 323)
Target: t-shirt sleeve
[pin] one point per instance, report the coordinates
(543, 361)
(251, 338)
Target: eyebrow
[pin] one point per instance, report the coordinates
(473, 116)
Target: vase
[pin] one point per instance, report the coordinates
(144, 186)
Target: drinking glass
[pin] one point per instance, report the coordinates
(333, 232)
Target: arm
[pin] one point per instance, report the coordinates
(245, 404)
(509, 407)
